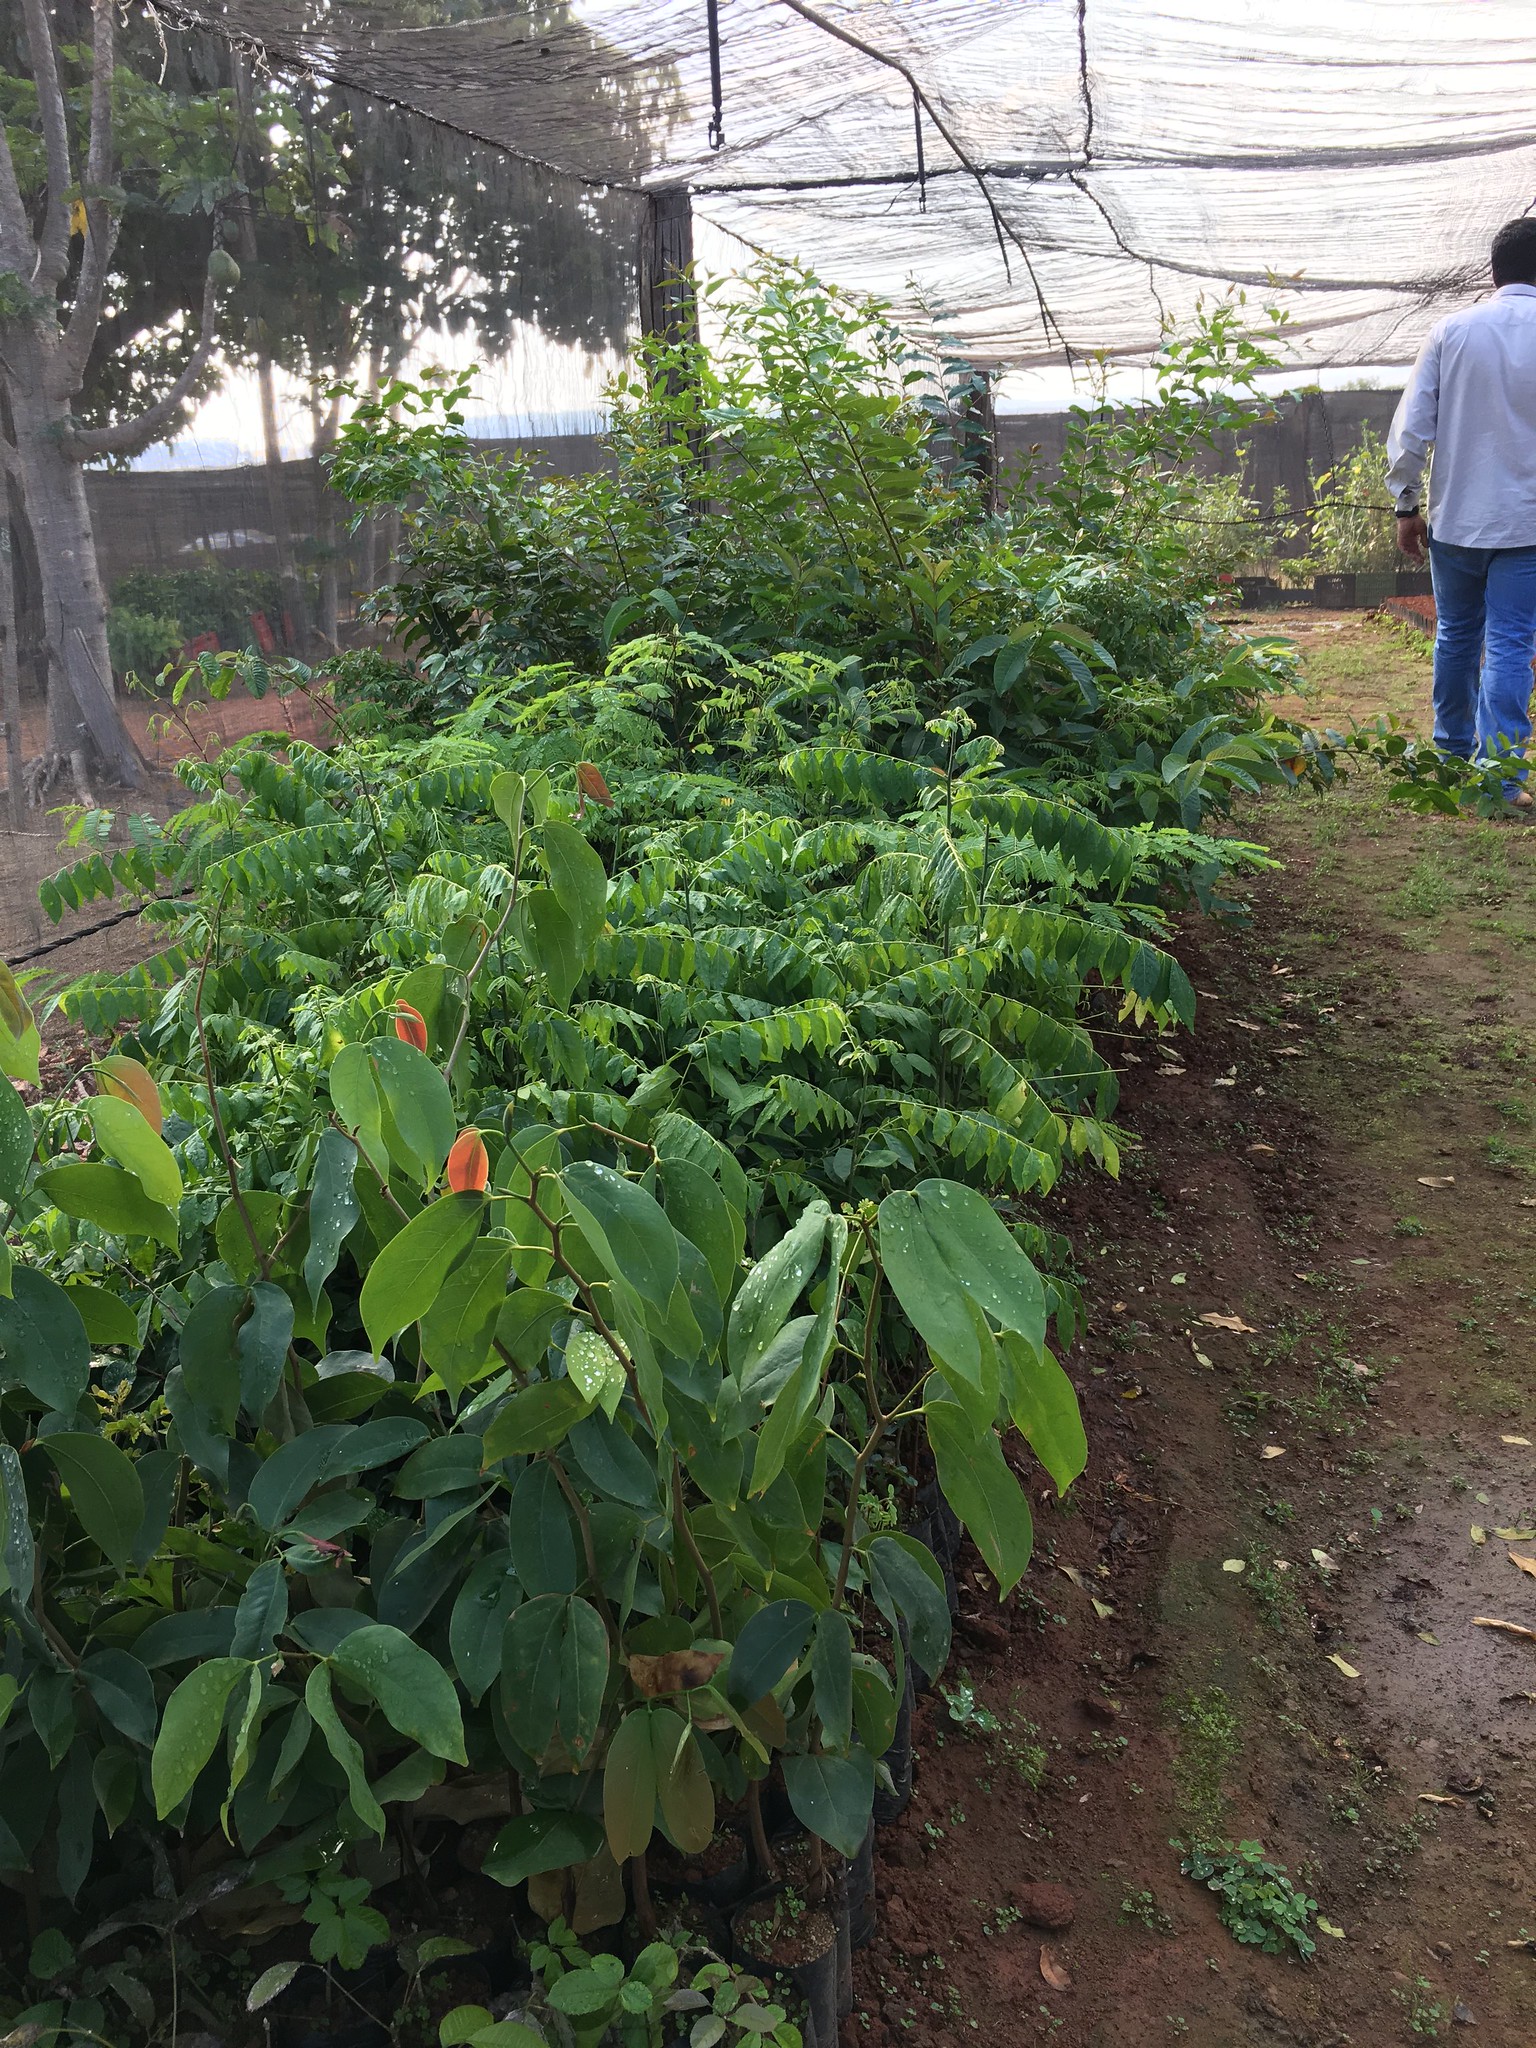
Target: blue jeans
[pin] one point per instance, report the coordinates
(1485, 607)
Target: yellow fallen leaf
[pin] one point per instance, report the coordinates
(1516, 1535)
(1479, 1533)
(1289, 1052)
(1437, 1180)
(1510, 1628)
(1427, 1636)
(1259, 1151)
(1215, 1321)
(1103, 1609)
(1348, 1670)
(1523, 1441)
(1324, 1562)
(1273, 1451)
(1234, 1564)
(1329, 1927)
(1177, 1279)
(1438, 1799)
(1070, 1571)
(1524, 1564)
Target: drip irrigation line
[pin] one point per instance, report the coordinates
(89, 931)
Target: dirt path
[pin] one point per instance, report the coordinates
(1346, 1164)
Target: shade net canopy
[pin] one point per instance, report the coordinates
(1090, 169)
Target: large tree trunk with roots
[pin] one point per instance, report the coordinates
(43, 356)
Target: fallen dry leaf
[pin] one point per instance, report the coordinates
(674, 1671)
(1338, 1662)
(1289, 1052)
(1214, 1321)
(1510, 1628)
(1225, 1081)
(1243, 1024)
(1438, 1799)
(1437, 1180)
(1427, 1636)
(1524, 1564)
(1117, 1308)
(1070, 1571)
(1059, 1978)
(1103, 1610)
(1234, 1564)
(1324, 1562)
(1258, 1151)
(1273, 1451)
(1201, 1357)
(1523, 1441)
(1329, 1927)
(1479, 1533)
(1516, 1535)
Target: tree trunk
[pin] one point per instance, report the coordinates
(82, 706)
(10, 677)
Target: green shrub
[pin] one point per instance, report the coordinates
(214, 597)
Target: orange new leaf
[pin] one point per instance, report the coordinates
(468, 1167)
(589, 781)
(130, 1081)
(411, 1026)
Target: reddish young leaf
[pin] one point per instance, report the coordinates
(589, 781)
(131, 1082)
(468, 1167)
(411, 1026)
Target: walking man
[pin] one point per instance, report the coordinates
(1472, 397)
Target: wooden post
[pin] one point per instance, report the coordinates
(978, 446)
(666, 256)
(10, 678)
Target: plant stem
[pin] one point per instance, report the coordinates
(685, 1531)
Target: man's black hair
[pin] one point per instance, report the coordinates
(1514, 252)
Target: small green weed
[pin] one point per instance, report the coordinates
(1208, 1746)
(1260, 1907)
(1425, 2012)
(1142, 1907)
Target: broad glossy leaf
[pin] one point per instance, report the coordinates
(832, 1677)
(178, 1638)
(771, 1289)
(532, 1843)
(626, 1227)
(583, 1679)
(104, 1489)
(982, 1491)
(418, 1102)
(536, 1418)
(295, 1469)
(16, 1143)
(944, 1247)
(261, 1346)
(402, 1285)
(413, 1691)
(129, 1080)
(539, 1533)
(553, 944)
(699, 1211)
(124, 1694)
(444, 1464)
(18, 1556)
(578, 879)
(115, 1781)
(458, 1331)
(206, 1349)
(629, 1787)
(874, 1704)
(530, 1670)
(796, 1401)
(108, 1319)
(478, 1622)
(189, 1729)
(356, 1099)
(344, 1746)
(593, 1365)
(43, 1345)
(616, 1463)
(771, 1643)
(526, 1321)
(686, 1796)
(108, 1197)
(909, 1586)
(124, 1135)
(833, 1796)
(1043, 1404)
(333, 1209)
(262, 1613)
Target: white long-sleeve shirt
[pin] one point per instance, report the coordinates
(1472, 397)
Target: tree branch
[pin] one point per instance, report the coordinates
(18, 251)
(127, 437)
(101, 226)
(53, 245)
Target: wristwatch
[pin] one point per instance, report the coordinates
(1407, 511)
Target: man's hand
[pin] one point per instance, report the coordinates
(1412, 534)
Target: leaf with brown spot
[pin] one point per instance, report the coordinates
(674, 1671)
(1055, 1974)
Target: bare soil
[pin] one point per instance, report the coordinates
(1354, 1181)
